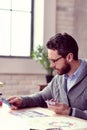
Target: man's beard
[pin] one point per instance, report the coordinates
(65, 69)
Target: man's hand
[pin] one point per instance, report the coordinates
(58, 108)
(15, 101)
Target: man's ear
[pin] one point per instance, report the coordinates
(69, 57)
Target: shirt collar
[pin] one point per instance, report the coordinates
(77, 72)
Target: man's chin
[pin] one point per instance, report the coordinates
(58, 72)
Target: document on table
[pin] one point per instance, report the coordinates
(35, 120)
(28, 114)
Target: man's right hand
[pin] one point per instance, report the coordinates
(15, 101)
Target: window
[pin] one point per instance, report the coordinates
(16, 27)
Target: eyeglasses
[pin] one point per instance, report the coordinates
(55, 60)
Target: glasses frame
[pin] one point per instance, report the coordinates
(55, 60)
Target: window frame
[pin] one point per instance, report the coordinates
(31, 32)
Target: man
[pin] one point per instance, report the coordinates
(66, 94)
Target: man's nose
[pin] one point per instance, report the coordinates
(52, 65)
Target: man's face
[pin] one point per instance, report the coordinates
(57, 62)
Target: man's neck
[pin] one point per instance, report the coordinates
(74, 66)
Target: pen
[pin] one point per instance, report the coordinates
(48, 129)
(6, 102)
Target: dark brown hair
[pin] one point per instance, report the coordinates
(64, 44)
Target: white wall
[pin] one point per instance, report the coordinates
(49, 19)
(45, 17)
(38, 22)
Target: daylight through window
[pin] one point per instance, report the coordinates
(15, 27)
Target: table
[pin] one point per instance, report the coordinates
(37, 119)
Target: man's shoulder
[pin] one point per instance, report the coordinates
(57, 78)
(84, 62)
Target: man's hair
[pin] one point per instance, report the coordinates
(64, 44)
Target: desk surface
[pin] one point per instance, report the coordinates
(37, 118)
